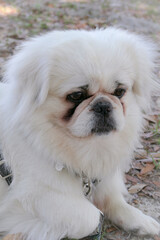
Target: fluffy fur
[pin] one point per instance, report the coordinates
(48, 141)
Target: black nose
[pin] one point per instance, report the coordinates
(102, 107)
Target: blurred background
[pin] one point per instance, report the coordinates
(20, 20)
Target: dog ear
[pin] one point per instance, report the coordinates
(146, 83)
(28, 77)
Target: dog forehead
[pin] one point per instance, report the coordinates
(79, 63)
(106, 82)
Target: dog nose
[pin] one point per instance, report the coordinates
(102, 107)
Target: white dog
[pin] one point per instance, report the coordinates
(70, 119)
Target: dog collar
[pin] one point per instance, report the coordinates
(5, 173)
(88, 184)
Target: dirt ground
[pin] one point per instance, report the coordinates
(22, 19)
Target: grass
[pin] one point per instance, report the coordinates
(70, 5)
(156, 131)
(157, 164)
(44, 25)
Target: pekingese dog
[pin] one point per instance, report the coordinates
(71, 114)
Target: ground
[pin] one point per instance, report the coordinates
(22, 19)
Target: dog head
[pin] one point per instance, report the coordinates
(85, 83)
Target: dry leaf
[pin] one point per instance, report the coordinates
(111, 229)
(147, 193)
(142, 194)
(148, 135)
(157, 183)
(131, 178)
(81, 25)
(50, 5)
(156, 238)
(148, 168)
(155, 155)
(157, 194)
(150, 118)
(141, 154)
(138, 166)
(136, 188)
(156, 148)
(135, 201)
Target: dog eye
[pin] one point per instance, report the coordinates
(119, 92)
(76, 97)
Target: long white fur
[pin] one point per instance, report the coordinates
(43, 203)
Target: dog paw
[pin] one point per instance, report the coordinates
(86, 224)
(132, 219)
(149, 226)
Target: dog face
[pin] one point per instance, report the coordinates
(92, 101)
(95, 84)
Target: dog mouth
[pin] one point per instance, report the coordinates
(103, 126)
(101, 131)
(96, 127)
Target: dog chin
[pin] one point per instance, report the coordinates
(96, 131)
(102, 131)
